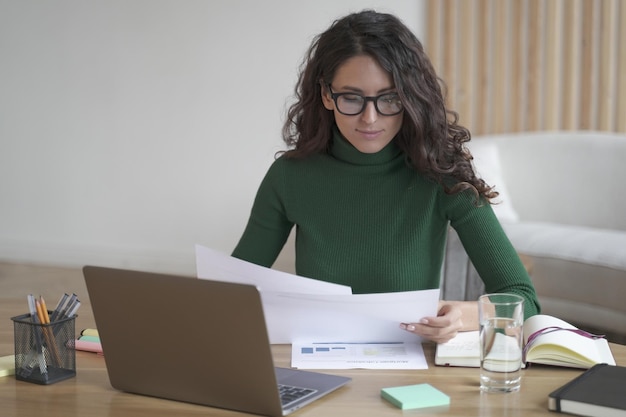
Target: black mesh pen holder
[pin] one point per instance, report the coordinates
(44, 353)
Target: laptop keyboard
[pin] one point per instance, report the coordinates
(290, 394)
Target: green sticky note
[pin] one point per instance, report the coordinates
(415, 396)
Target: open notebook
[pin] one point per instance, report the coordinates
(547, 340)
(196, 341)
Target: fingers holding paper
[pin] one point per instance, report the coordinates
(440, 329)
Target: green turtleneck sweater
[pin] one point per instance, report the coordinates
(373, 223)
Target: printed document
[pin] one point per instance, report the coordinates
(358, 355)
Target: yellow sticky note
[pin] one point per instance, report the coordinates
(7, 365)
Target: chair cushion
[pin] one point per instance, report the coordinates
(588, 245)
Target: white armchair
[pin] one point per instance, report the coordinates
(563, 203)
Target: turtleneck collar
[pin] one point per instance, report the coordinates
(345, 151)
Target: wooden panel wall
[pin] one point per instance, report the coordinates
(523, 65)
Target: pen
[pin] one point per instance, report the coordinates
(57, 309)
(68, 309)
(68, 306)
(33, 354)
(74, 309)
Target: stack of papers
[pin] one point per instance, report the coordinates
(302, 311)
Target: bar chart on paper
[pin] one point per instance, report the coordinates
(396, 355)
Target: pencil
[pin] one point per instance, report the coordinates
(49, 336)
(40, 315)
(44, 310)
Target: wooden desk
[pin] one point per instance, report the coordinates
(89, 394)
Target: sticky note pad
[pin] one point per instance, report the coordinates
(7, 365)
(415, 396)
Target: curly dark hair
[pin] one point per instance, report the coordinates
(430, 136)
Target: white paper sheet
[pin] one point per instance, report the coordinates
(358, 356)
(217, 266)
(359, 318)
(301, 309)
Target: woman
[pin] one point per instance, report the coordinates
(375, 173)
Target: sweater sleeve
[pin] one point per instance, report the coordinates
(490, 250)
(268, 226)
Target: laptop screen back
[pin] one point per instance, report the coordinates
(184, 339)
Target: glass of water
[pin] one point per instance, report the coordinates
(501, 318)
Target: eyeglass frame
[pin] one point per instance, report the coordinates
(373, 99)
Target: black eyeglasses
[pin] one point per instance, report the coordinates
(351, 104)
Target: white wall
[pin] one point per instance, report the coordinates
(132, 129)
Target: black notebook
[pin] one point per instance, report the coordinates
(598, 392)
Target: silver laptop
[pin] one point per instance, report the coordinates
(194, 340)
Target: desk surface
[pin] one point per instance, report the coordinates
(90, 394)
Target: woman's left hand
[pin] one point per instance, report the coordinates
(440, 329)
